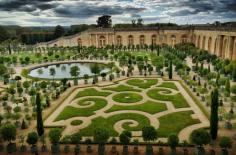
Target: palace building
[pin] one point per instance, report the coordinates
(219, 41)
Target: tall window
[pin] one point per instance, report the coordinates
(79, 42)
(184, 39)
(119, 40)
(173, 40)
(131, 40)
(102, 41)
(142, 40)
(154, 39)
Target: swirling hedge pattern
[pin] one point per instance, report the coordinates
(130, 105)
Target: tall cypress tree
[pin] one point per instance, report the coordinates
(40, 128)
(170, 70)
(214, 114)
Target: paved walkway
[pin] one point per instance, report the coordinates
(118, 126)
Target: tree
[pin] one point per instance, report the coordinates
(173, 141)
(149, 133)
(200, 137)
(170, 70)
(101, 135)
(52, 72)
(59, 31)
(104, 21)
(3, 70)
(8, 132)
(95, 69)
(4, 35)
(75, 139)
(227, 86)
(140, 22)
(125, 137)
(74, 72)
(40, 128)
(32, 139)
(214, 114)
(225, 143)
(54, 137)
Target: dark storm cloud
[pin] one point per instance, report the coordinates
(25, 5)
(193, 7)
(86, 10)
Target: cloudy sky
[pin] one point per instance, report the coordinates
(68, 12)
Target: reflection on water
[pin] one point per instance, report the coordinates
(63, 70)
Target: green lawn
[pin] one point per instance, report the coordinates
(69, 111)
(173, 123)
(92, 92)
(177, 100)
(108, 123)
(127, 97)
(121, 88)
(168, 85)
(76, 122)
(149, 107)
(142, 83)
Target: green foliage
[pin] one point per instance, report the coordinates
(76, 122)
(76, 138)
(178, 100)
(181, 119)
(214, 114)
(121, 88)
(125, 137)
(101, 135)
(173, 141)
(127, 97)
(54, 135)
(69, 111)
(32, 138)
(200, 137)
(149, 133)
(142, 83)
(170, 70)
(92, 92)
(8, 132)
(168, 85)
(225, 142)
(40, 128)
(149, 107)
(110, 121)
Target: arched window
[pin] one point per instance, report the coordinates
(119, 40)
(142, 40)
(203, 42)
(184, 39)
(154, 39)
(131, 40)
(102, 41)
(173, 40)
(79, 41)
(209, 44)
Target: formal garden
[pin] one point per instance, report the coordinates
(139, 95)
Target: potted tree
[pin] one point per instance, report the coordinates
(32, 139)
(149, 134)
(54, 137)
(125, 137)
(225, 144)
(173, 141)
(101, 135)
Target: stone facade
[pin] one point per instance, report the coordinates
(219, 42)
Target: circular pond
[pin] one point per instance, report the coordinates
(63, 70)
